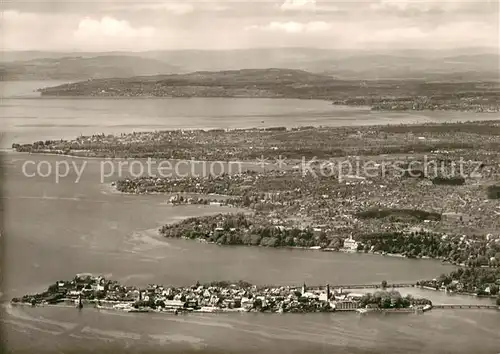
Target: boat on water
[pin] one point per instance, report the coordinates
(426, 308)
(208, 309)
(139, 310)
(362, 311)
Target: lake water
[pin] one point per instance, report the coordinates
(54, 230)
(25, 117)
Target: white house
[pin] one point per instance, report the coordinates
(173, 304)
(350, 244)
(346, 305)
(246, 302)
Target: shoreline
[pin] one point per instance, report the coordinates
(313, 248)
(108, 187)
(127, 308)
(266, 129)
(216, 310)
(216, 296)
(353, 107)
(112, 188)
(220, 241)
(365, 287)
(45, 153)
(152, 97)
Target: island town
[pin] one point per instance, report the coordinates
(221, 296)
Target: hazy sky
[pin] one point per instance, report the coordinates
(93, 25)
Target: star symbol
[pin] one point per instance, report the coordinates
(280, 161)
(262, 161)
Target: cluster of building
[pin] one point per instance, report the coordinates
(293, 144)
(331, 206)
(480, 281)
(215, 297)
(466, 104)
(326, 195)
(335, 202)
(181, 91)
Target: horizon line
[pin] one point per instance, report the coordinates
(385, 49)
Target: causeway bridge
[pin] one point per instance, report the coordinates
(364, 286)
(375, 286)
(460, 306)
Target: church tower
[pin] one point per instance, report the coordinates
(304, 288)
(328, 291)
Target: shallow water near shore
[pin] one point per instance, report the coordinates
(55, 230)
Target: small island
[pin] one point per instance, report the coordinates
(220, 296)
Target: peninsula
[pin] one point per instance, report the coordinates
(471, 140)
(416, 191)
(387, 95)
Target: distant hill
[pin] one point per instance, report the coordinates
(277, 83)
(466, 67)
(469, 64)
(383, 95)
(476, 63)
(78, 68)
(272, 82)
(250, 77)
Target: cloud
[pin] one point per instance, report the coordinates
(419, 6)
(26, 31)
(446, 35)
(292, 27)
(317, 26)
(171, 7)
(299, 5)
(396, 35)
(11, 16)
(384, 24)
(175, 8)
(110, 27)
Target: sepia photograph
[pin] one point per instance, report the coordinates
(250, 176)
